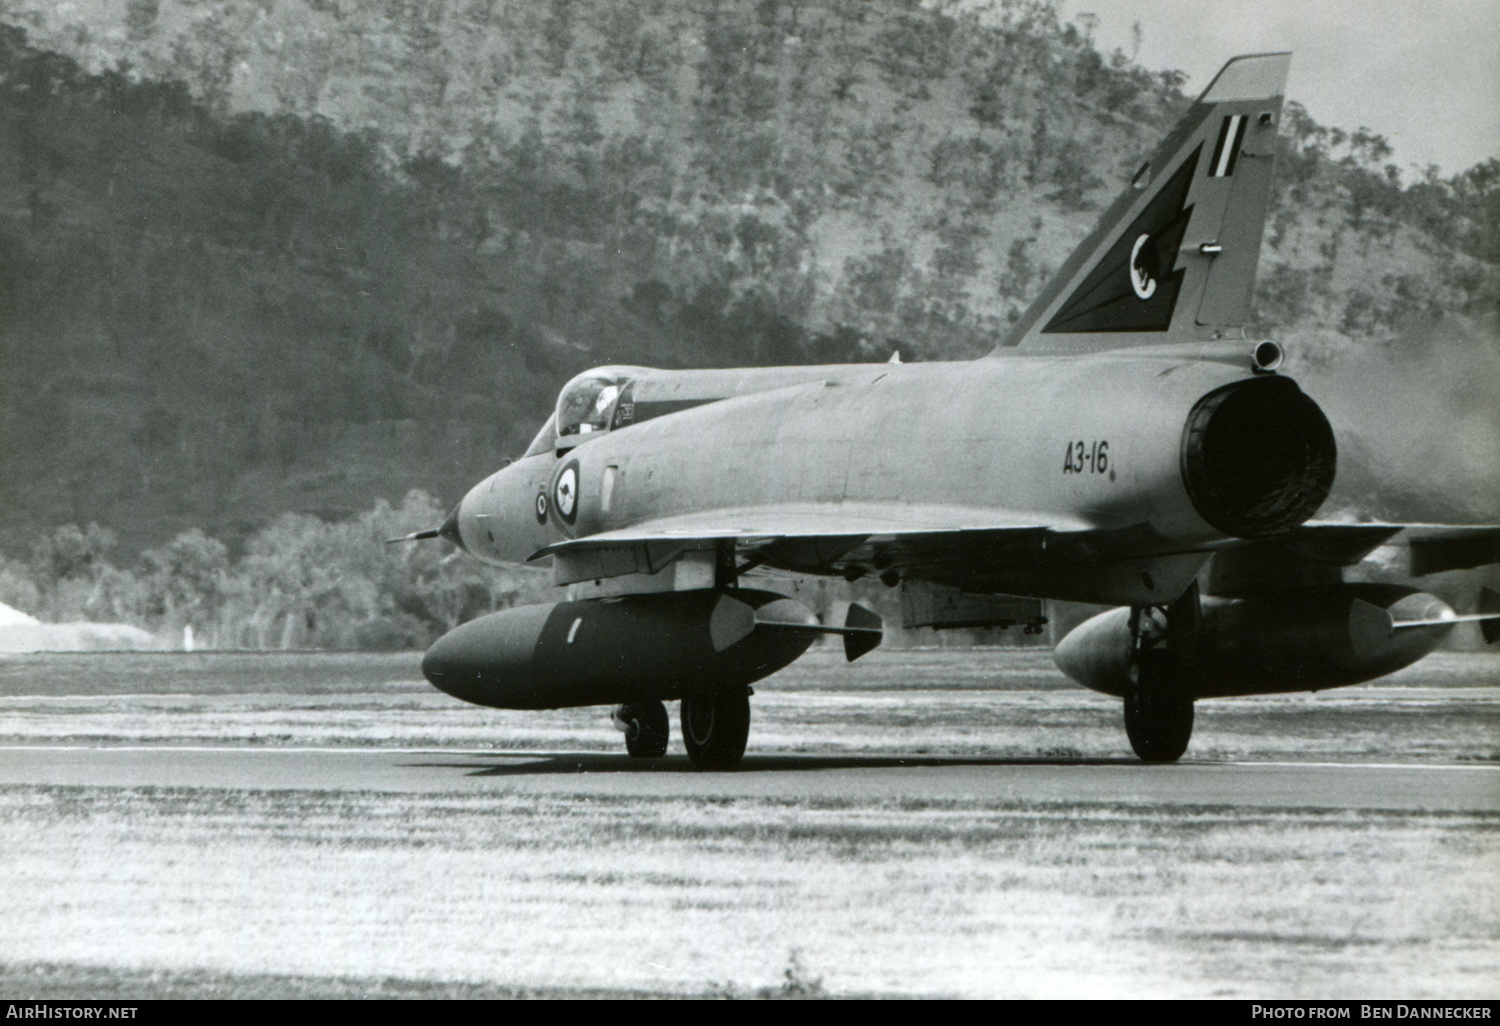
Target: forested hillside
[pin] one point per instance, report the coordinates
(259, 258)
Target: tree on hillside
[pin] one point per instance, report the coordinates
(76, 581)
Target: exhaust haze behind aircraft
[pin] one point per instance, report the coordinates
(1126, 444)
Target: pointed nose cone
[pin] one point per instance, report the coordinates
(449, 530)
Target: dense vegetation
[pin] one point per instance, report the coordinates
(301, 582)
(259, 260)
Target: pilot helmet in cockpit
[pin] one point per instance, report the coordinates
(587, 403)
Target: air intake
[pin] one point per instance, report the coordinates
(1258, 457)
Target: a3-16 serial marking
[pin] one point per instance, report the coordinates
(1082, 457)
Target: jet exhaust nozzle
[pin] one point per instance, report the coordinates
(1258, 457)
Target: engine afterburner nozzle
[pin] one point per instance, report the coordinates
(1258, 457)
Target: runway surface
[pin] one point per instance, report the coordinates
(1291, 785)
(930, 822)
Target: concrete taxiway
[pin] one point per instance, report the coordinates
(1280, 784)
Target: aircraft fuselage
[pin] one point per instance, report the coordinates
(1079, 445)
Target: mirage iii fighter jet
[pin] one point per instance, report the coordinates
(1125, 445)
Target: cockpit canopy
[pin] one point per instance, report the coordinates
(586, 404)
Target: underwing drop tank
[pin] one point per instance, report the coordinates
(611, 651)
(1304, 640)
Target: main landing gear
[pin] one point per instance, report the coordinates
(647, 728)
(1159, 698)
(715, 727)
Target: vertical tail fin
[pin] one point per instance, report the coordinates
(1173, 259)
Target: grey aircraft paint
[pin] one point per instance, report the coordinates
(1124, 444)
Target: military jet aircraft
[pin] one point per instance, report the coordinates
(1126, 444)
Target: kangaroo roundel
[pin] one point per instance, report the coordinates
(1145, 267)
(1145, 256)
(565, 492)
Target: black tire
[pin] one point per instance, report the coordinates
(1158, 710)
(715, 728)
(649, 729)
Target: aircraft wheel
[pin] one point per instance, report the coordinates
(648, 729)
(715, 728)
(1158, 711)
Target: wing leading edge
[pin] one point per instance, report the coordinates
(762, 524)
(977, 551)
